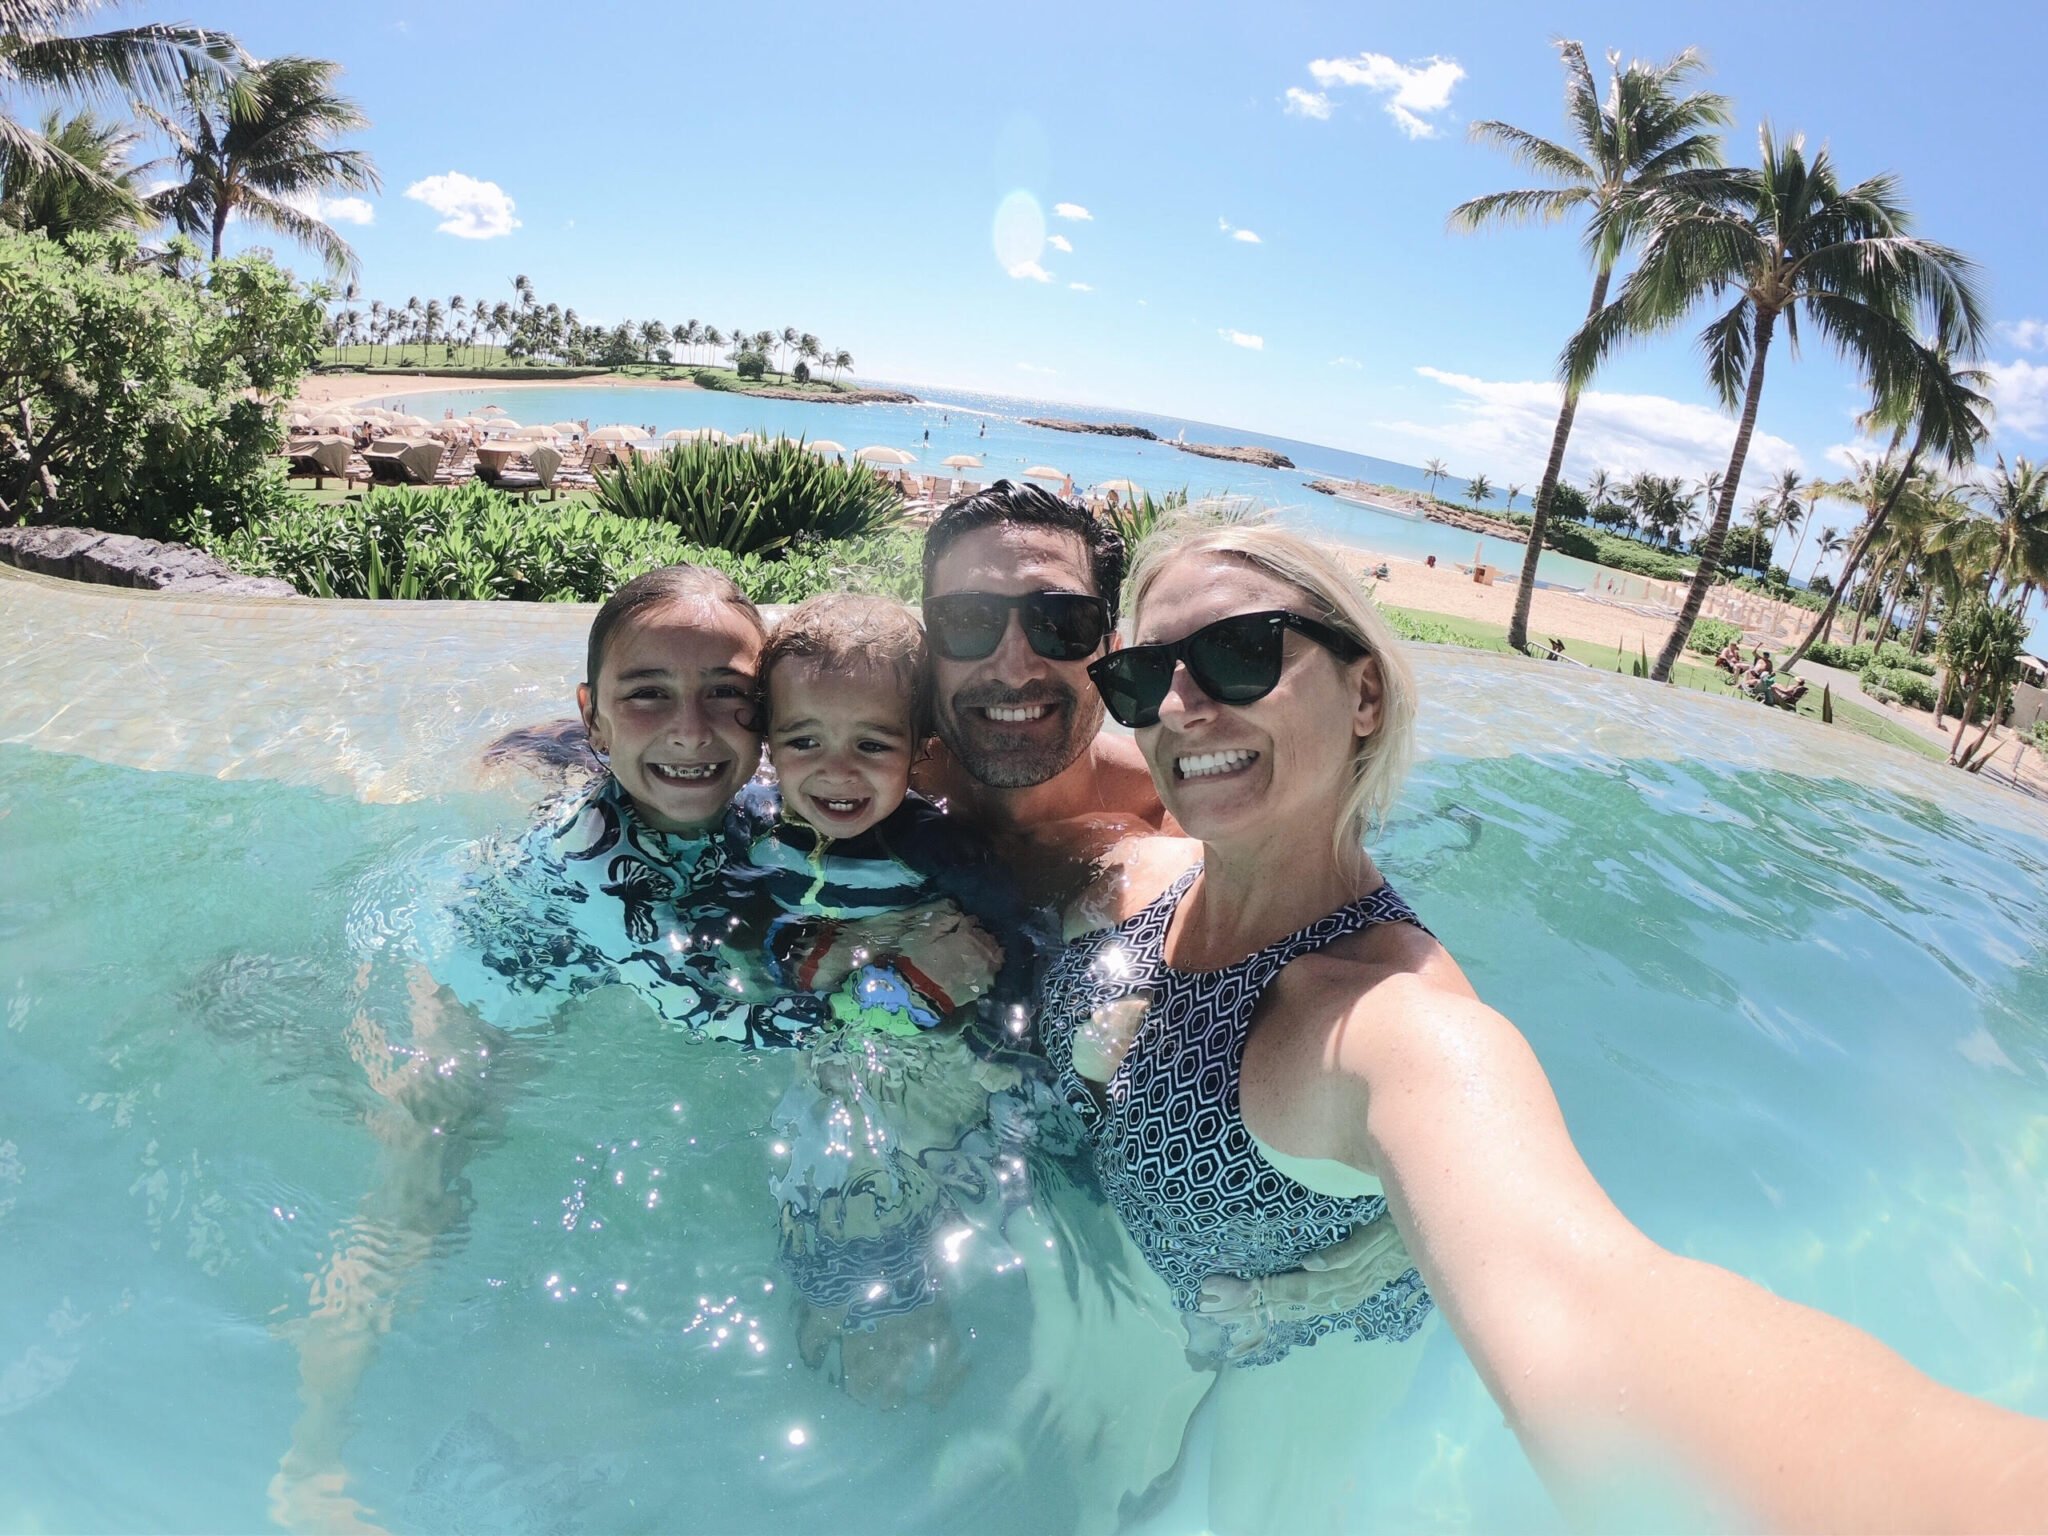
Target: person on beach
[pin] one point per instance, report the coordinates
(1275, 1060)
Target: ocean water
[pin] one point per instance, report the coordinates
(1791, 989)
(992, 427)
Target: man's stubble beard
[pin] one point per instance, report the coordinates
(1026, 769)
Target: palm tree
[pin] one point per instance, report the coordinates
(522, 290)
(1513, 492)
(1433, 471)
(1792, 243)
(1803, 521)
(1598, 489)
(262, 152)
(1478, 489)
(1642, 137)
(841, 361)
(153, 62)
(53, 198)
(1786, 512)
(789, 338)
(1945, 407)
(2017, 499)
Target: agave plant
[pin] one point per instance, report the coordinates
(750, 498)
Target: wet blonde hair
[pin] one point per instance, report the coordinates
(1331, 593)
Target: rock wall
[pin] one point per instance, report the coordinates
(1099, 428)
(119, 560)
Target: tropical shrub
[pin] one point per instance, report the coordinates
(750, 365)
(750, 498)
(801, 373)
(1854, 658)
(132, 393)
(710, 378)
(1709, 635)
(1899, 685)
(1982, 644)
(472, 542)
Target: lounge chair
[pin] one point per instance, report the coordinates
(405, 460)
(319, 458)
(1785, 696)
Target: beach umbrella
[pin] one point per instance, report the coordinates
(825, 445)
(298, 419)
(569, 429)
(618, 434)
(545, 433)
(492, 410)
(961, 461)
(332, 421)
(893, 457)
(1044, 472)
(504, 426)
(401, 419)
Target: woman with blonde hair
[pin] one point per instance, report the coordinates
(1286, 1078)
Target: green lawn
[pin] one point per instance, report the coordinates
(1702, 676)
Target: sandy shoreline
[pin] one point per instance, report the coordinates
(348, 388)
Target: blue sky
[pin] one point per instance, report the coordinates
(891, 178)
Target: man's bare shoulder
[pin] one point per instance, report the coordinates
(1123, 783)
(1128, 877)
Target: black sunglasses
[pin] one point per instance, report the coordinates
(1235, 661)
(1060, 626)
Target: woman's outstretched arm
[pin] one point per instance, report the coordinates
(1609, 1354)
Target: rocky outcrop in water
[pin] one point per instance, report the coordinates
(1099, 428)
(120, 560)
(1265, 458)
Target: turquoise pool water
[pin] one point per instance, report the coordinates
(1793, 1004)
(957, 419)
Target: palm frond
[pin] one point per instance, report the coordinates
(1538, 153)
(1521, 207)
(1727, 342)
(268, 212)
(153, 61)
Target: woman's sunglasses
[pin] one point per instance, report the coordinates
(1234, 661)
(1060, 626)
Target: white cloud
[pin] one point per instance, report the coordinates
(1302, 103)
(1034, 368)
(1345, 362)
(1082, 287)
(1243, 339)
(333, 210)
(1030, 269)
(470, 209)
(1505, 427)
(1060, 243)
(1237, 234)
(2027, 335)
(1412, 90)
(2019, 390)
(1072, 211)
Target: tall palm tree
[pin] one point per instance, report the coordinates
(1598, 489)
(1803, 521)
(1791, 242)
(1945, 407)
(841, 361)
(1646, 133)
(1433, 471)
(38, 54)
(1786, 511)
(263, 152)
(2017, 499)
(1478, 489)
(52, 198)
(1513, 492)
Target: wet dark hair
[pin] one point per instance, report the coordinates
(840, 632)
(651, 589)
(1030, 507)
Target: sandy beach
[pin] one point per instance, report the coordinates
(347, 388)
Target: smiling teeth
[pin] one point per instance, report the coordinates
(694, 773)
(1016, 714)
(841, 807)
(1205, 764)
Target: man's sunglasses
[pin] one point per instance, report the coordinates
(1060, 626)
(1234, 661)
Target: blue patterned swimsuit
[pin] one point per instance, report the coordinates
(1171, 1149)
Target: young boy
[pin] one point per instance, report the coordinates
(846, 696)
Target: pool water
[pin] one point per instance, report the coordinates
(1792, 989)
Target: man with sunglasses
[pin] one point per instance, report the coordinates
(1020, 591)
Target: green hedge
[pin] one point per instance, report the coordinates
(1899, 685)
(1854, 658)
(1709, 635)
(471, 542)
(751, 498)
